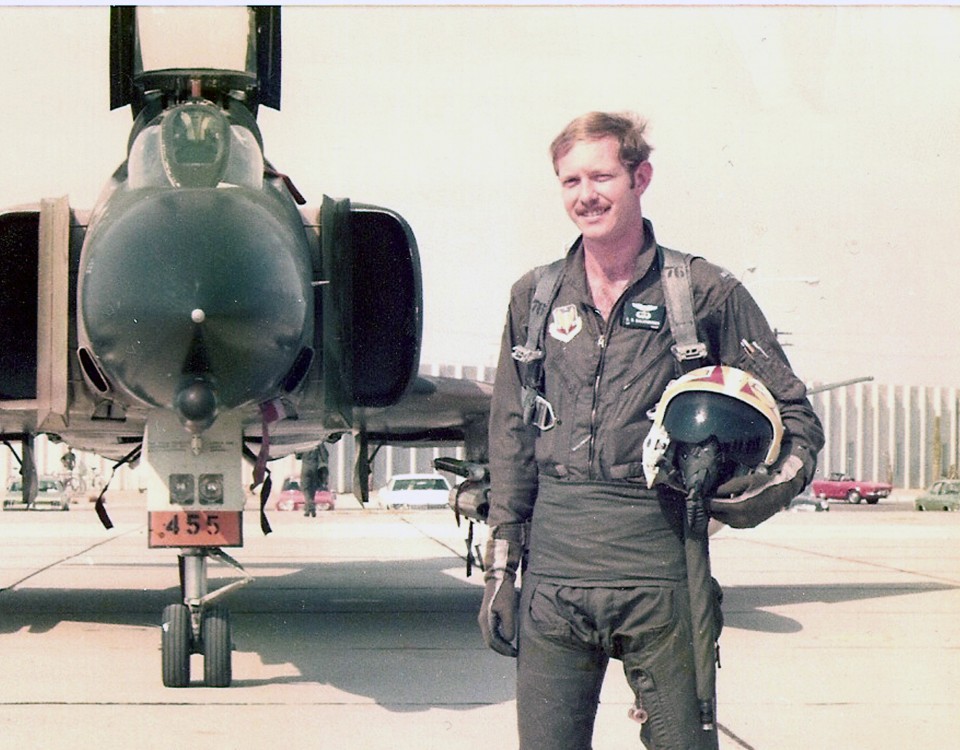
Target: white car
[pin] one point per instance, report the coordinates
(50, 496)
(415, 491)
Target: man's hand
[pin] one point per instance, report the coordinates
(754, 498)
(498, 613)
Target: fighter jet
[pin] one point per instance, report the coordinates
(200, 315)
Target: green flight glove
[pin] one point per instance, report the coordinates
(745, 502)
(498, 612)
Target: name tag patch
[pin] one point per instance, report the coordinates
(641, 315)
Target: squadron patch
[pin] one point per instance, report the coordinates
(565, 323)
(641, 315)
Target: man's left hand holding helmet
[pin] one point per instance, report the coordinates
(757, 469)
(746, 501)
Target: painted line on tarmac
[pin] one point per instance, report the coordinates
(412, 524)
(55, 563)
(857, 561)
(730, 735)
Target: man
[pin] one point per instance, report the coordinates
(313, 477)
(605, 575)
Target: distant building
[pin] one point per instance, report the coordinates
(902, 434)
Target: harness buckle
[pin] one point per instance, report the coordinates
(538, 411)
(524, 355)
(686, 352)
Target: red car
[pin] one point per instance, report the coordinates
(291, 497)
(843, 487)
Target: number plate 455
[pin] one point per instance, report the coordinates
(180, 528)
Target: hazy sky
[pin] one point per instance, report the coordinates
(814, 151)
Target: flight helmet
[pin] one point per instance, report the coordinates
(719, 416)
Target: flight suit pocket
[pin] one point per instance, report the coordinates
(716, 591)
(644, 618)
(557, 617)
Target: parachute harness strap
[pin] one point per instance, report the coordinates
(536, 409)
(688, 350)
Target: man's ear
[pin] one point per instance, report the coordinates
(642, 176)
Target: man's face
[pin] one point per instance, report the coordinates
(600, 195)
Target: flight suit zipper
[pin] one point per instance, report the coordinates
(607, 329)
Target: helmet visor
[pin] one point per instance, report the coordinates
(743, 433)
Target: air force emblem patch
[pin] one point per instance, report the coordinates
(565, 323)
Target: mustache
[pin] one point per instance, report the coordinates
(588, 206)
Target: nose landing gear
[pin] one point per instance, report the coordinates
(197, 626)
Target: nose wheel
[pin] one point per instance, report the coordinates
(217, 647)
(197, 626)
(176, 645)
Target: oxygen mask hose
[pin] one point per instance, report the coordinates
(698, 465)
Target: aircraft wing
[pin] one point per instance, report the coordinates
(434, 411)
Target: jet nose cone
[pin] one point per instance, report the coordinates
(197, 405)
(177, 286)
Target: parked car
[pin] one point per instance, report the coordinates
(291, 497)
(415, 491)
(844, 487)
(943, 495)
(50, 495)
(806, 501)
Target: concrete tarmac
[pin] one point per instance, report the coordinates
(359, 632)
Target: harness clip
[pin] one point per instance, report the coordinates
(524, 355)
(538, 411)
(687, 352)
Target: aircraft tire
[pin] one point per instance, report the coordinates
(217, 647)
(176, 645)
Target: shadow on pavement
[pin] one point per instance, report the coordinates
(746, 607)
(402, 634)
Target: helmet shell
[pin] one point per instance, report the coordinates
(718, 402)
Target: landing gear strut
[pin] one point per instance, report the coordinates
(195, 503)
(197, 626)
